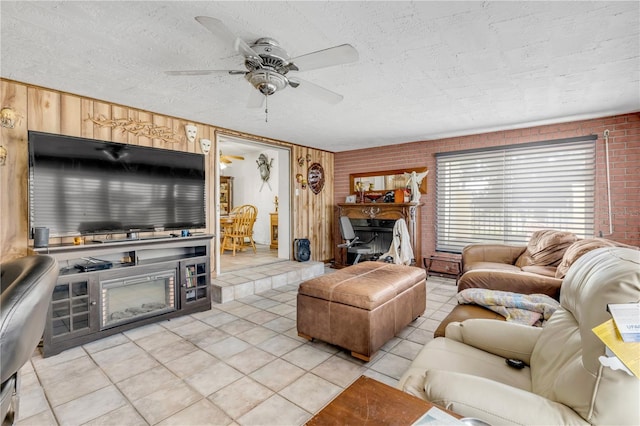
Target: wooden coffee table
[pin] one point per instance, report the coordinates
(372, 402)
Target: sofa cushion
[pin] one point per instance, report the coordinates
(547, 271)
(577, 249)
(515, 281)
(546, 248)
(494, 266)
(450, 355)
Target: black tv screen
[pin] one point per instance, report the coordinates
(81, 186)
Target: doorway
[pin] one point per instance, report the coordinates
(237, 161)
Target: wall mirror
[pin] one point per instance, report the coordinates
(386, 180)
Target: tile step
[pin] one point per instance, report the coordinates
(237, 284)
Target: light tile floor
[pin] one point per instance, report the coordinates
(262, 256)
(239, 363)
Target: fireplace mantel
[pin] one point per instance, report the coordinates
(372, 212)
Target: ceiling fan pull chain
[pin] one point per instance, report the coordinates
(266, 108)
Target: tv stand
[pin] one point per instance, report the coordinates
(120, 240)
(150, 280)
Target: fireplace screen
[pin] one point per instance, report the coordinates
(132, 298)
(382, 230)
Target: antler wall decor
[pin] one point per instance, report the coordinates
(139, 128)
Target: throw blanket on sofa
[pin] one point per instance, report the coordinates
(529, 309)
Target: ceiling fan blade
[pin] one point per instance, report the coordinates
(204, 72)
(246, 50)
(343, 54)
(221, 31)
(318, 92)
(256, 99)
(235, 157)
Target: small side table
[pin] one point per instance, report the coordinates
(443, 266)
(274, 230)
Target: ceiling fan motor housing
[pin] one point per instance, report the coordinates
(272, 55)
(268, 76)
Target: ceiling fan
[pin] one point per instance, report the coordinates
(268, 64)
(227, 159)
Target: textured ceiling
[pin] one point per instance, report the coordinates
(426, 69)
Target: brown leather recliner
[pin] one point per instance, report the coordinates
(563, 381)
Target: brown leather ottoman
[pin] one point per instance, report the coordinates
(463, 312)
(361, 307)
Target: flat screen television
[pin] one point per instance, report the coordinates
(81, 186)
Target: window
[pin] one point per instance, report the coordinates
(503, 194)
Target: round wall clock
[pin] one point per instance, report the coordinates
(315, 178)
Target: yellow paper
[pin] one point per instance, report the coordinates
(627, 352)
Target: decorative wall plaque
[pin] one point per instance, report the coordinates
(139, 128)
(315, 178)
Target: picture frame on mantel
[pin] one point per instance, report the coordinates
(350, 199)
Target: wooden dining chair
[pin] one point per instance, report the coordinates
(240, 230)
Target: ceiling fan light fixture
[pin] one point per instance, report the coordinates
(267, 82)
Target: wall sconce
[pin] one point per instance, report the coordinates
(7, 117)
(301, 180)
(3, 155)
(302, 159)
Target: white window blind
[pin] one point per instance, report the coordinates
(503, 194)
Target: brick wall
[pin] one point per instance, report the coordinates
(624, 168)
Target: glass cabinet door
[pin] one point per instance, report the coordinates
(70, 308)
(195, 280)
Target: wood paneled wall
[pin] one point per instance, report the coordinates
(52, 111)
(313, 212)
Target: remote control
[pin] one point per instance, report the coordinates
(515, 363)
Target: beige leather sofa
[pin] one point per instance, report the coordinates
(563, 381)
